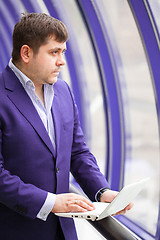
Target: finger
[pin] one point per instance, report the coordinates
(77, 208)
(85, 205)
(85, 201)
(120, 213)
(129, 206)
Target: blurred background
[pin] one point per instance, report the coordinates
(113, 68)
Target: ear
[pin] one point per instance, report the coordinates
(26, 53)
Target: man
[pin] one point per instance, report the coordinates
(41, 140)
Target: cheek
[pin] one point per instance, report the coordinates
(46, 65)
(48, 62)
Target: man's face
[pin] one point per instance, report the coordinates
(45, 66)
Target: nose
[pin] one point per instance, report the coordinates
(60, 60)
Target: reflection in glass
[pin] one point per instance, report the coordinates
(140, 117)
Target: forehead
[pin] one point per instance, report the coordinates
(53, 44)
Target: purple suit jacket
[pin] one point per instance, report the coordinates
(29, 167)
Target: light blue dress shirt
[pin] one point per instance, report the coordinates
(47, 119)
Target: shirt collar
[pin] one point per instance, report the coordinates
(29, 85)
(24, 79)
(21, 76)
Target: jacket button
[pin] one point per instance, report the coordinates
(57, 170)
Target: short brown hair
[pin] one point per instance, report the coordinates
(34, 29)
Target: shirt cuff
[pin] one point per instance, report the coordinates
(47, 206)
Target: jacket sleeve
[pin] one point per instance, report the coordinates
(83, 164)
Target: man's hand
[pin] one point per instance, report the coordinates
(71, 202)
(109, 195)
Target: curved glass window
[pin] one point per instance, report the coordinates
(155, 7)
(140, 117)
(90, 80)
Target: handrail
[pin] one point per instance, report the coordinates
(109, 227)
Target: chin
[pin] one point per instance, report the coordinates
(52, 81)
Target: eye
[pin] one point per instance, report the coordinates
(58, 52)
(54, 52)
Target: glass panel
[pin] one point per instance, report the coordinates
(140, 117)
(155, 7)
(91, 88)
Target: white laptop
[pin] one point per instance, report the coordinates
(103, 210)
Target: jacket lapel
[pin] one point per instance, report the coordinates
(57, 119)
(20, 99)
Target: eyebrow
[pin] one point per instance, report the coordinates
(58, 49)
